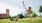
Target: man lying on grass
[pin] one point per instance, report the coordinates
(27, 11)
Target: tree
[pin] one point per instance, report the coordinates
(31, 11)
(40, 10)
(7, 17)
(18, 15)
(34, 14)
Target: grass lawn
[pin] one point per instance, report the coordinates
(24, 20)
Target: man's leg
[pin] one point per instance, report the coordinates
(17, 18)
(30, 16)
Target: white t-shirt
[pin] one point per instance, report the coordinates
(24, 13)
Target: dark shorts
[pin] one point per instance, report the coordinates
(21, 16)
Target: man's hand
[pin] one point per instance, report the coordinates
(23, 2)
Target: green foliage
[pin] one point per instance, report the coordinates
(9, 16)
(6, 17)
(15, 16)
(34, 15)
(31, 11)
(26, 16)
(18, 15)
(40, 10)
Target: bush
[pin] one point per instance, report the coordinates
(34, 15)
(15, 16)
(6, 17)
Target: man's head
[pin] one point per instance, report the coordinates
(29, 8)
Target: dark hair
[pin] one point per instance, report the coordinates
(30, 7)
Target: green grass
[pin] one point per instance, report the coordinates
(24, 20)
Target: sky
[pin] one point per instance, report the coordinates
(16, 6)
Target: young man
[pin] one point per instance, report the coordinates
(27, 11)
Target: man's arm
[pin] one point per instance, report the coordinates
(24, 5)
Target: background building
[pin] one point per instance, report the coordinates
(6, 15)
